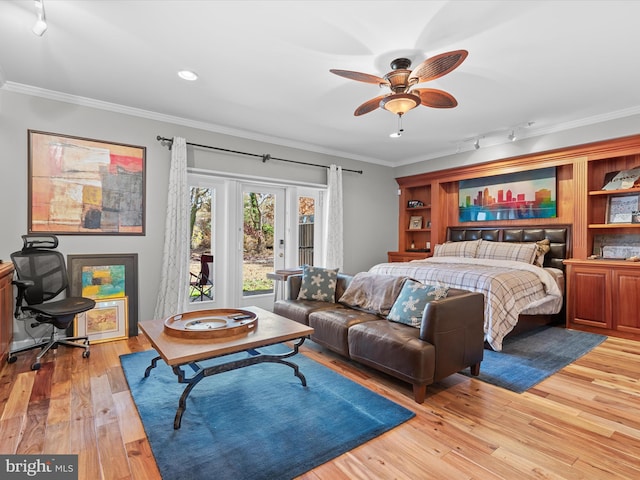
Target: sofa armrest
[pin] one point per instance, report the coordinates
(293, 286)
(455, 327)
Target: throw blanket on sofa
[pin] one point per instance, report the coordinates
(509, 287)
(373, 293)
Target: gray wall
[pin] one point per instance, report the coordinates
(370, 214)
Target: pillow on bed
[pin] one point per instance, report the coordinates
(518, 252)
(466, 249)
(318, 284)
(542, 248)
(413, 299)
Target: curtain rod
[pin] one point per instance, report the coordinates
(167, 142)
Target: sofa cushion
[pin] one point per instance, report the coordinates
(299, 310)
(372, 292)
(393, 348)
(318, 284)
(413, 299)
(330, 327)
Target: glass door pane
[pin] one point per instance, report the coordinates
(201, 271)
(306, 222)
(263, 238)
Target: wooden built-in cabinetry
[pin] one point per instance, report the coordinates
(6, 309)
(581, 203)
(604, 296)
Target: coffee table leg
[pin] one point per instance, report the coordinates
(154, 362)
(255, 358)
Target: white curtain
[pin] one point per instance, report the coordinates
(333, 231)
(175, 259)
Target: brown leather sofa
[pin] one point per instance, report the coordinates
(450, 338)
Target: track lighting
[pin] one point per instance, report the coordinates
(512, 136)
(41, 23)
(476, 145)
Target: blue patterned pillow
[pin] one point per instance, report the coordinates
(318, 284)
(413, 299)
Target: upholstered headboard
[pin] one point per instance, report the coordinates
(559, 237)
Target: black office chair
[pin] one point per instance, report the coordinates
(41, 276)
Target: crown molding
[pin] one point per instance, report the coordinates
(160, 117)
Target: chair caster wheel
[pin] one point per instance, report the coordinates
(86, 354)
(35, 366)
(11, 359)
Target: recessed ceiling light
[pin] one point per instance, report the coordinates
(188, 75)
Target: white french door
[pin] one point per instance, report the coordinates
(250, 228)
(261, 230)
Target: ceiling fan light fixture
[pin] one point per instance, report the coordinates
(400, 103)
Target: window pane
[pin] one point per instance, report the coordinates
(306, 218)
(201, 259)
(258, 238)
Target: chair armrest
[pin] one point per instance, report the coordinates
(455, 327)
(23, 284)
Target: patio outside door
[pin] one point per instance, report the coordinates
(263, 241)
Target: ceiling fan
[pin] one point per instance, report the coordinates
(401, 80)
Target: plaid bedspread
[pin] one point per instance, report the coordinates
(509, 287)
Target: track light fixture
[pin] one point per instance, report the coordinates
(512, 136)
(41, 23)
(476, 145)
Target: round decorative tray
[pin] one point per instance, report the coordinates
(217, 323)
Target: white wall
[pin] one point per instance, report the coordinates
(371, 209)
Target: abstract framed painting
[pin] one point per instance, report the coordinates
(81, 186)
(106, 277)
(512, 196)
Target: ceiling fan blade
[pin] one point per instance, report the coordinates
(368, 106)
(430, 97)
(436, 67)
(360, 77)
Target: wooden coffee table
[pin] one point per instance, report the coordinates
(180, 352)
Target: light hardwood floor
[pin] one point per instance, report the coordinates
(583, 422)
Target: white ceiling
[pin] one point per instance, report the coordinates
(264, 66)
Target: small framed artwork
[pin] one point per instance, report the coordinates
(106, 322)
(106, 277)
(620, 208)
(415, 222)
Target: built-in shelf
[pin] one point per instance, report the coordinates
(615, 192)
(614, 225)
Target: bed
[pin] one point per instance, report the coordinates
(519, 270)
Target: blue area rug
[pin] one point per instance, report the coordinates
(257, 422)
(529, 358)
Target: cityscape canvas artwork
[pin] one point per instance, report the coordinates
(522, 195)
(84, 186)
